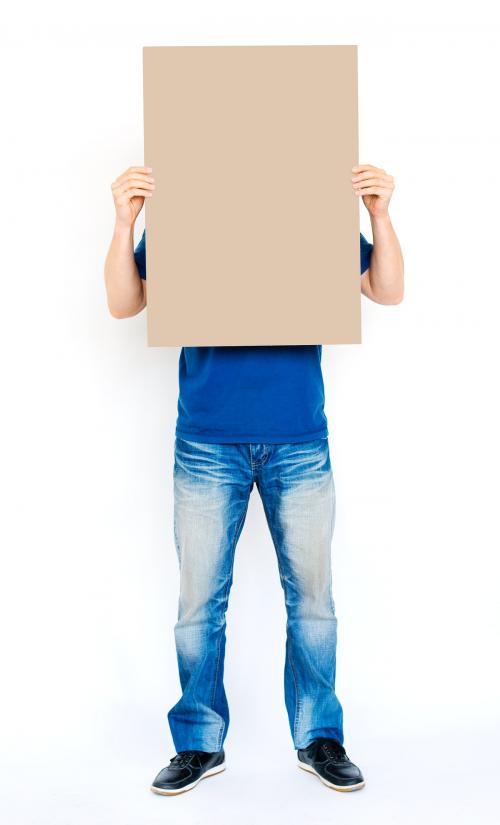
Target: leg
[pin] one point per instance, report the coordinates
(212, 485)
(297, 489)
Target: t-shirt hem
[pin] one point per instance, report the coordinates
(245, 438)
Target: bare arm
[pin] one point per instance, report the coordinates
(125, 289)
(383, 282)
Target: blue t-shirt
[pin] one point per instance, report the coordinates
(254, 394)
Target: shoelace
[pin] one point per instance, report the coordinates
(181, 759)
(334, 750)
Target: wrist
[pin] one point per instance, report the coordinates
(123, 230)
(384, 219)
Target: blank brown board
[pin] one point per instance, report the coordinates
(252, 234)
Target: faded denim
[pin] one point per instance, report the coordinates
(212, 486)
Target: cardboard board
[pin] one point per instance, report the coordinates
(252, 234)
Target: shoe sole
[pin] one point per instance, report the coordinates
(344, 788)
(210, 772)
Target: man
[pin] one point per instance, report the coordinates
(253, 415)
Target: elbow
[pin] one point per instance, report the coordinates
(392, 295)
(124, 301)
(115, 308)
(387, 298)
(124, 312)
(118, 313)
(395, 299)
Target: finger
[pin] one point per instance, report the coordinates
(127, 185)
(139, 169)
(374, 190)
(362, 167)
(134, 170)
(128, 194)
(372, 174)
(135, 176)
(382, 181)
(125, 196)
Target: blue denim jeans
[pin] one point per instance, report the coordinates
(212, 486)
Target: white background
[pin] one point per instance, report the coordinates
(89, 581)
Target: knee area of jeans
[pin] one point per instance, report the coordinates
(310, 596)
(203, 613)
(308, 615)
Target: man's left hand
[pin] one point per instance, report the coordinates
(375, 186)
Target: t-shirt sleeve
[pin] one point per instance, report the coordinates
(365, 252)
(140, 256)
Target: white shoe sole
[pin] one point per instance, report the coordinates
(210, 772)
(309, 768)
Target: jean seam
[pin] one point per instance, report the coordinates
(298, 703)
(219, 642)
(332, 526)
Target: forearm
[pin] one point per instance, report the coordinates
(386, 273)
(124, 286)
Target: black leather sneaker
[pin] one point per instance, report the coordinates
(328, 760)
(186, 769)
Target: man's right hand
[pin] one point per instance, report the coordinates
(129, 191)
(126, 291)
